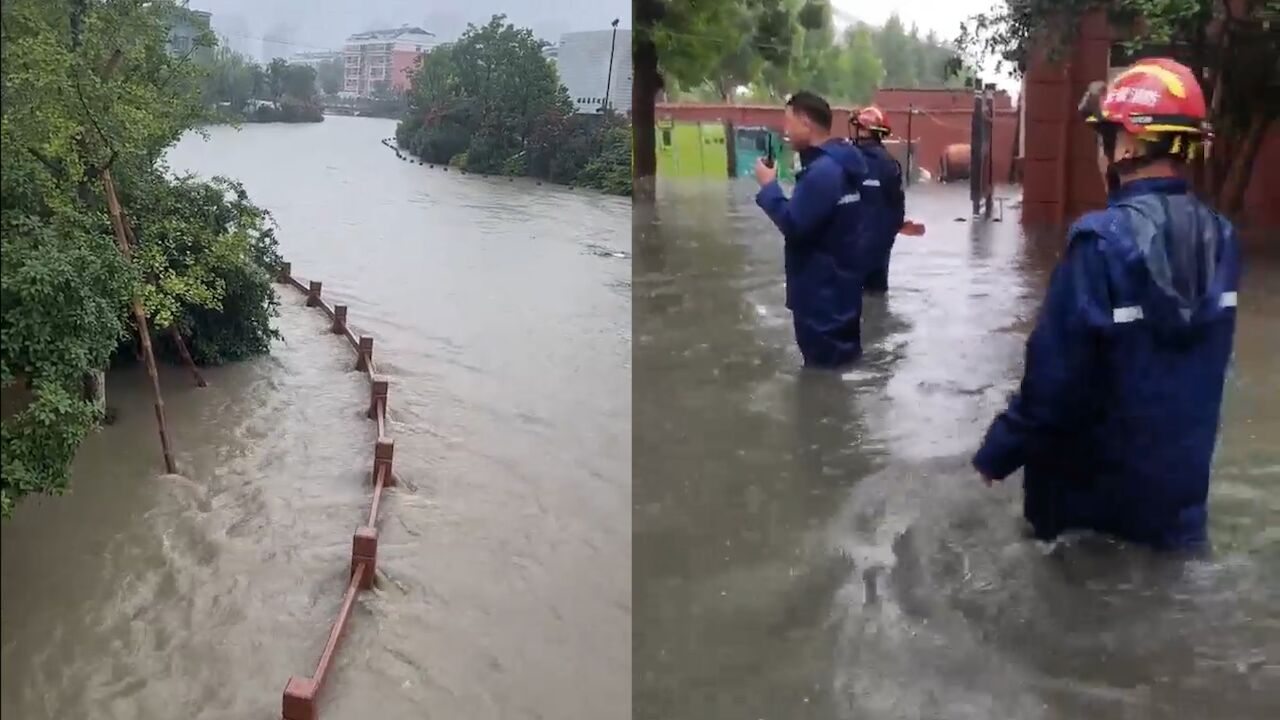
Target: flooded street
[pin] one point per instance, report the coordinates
(502, 316)
(817, 546)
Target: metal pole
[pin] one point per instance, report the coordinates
(608, 82)
(911, 111)
(975, 151)
(988, 149)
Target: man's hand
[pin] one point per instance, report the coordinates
(764, 173)
(986, 479)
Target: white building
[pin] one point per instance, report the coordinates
(582, 59)
(315, 58)
(383, 57)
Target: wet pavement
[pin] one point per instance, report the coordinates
(810, 545)
(501, 313)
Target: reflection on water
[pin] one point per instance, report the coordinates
(816, 546)
(505, 591)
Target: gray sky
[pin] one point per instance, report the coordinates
(303, 25)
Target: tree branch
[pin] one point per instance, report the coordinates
(57, 170)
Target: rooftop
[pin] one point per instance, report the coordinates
(390, 34)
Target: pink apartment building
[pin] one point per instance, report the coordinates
(383, 56)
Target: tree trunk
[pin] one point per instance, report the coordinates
(731, 148)
(1236, 181)
(644, 95)
(95, 391)
(139, 316)
(186, 356)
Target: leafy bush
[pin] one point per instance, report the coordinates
(493, 101)
(516, 165)
(490, 150)
(214, 255)
(38, 444)
(63, 298)
(610, 169)
(287, 113)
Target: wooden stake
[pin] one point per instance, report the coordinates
(186, 356)
(139, 316)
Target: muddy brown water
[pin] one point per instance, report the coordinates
(816, 546)
(501, 313)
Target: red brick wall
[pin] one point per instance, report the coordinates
(1262, 199)
(949, 99)
(931, 130)
(1060, 171)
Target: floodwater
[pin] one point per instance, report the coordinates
(816, 546)
(501, 313)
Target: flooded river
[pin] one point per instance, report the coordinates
(816, 546)
(502, 314)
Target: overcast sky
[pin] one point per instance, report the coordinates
(303, 25)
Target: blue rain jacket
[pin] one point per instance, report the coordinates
(822, 224)
(1117, 416)
(883, 200)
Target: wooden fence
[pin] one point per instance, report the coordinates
(300, 693)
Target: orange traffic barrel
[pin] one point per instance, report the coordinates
(955, 163)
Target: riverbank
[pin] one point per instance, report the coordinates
(460, 167)
(269, 114)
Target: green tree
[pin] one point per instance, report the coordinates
(501, 68)
(87, 87)
(861, 71)
(438, 122)
(299, 83)
(229, 79)
(816, 62)
(331, 76)
(1207, 35)
(896, 54)
(277, 74)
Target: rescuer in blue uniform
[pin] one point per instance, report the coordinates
(882, 194)
(822, 225)
(1117, 416)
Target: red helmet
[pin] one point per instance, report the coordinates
(1155, 95)
(873, 119)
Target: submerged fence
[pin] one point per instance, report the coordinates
(300, 693)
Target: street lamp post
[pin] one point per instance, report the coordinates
(608, 81)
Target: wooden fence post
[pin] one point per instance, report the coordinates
(364, 549)
(384, 451)
(365, 358)
(339, 319)
(378, 392)
(313, 295)
(299, 699)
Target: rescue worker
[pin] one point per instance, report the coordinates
(1117, 416)
(821, 225)
(881, 192)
